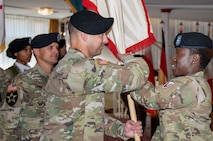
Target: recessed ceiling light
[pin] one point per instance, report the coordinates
(45, 11)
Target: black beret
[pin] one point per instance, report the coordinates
(18, 45)
(43, 40)
(62, 42)
(90, 22)
(192, 40)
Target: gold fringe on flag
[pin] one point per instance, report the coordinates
(2, 47)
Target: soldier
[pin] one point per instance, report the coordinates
(77, 86)
(62, 48)
(4, 81)
(20, 50)
(23, 110)
(184, 103)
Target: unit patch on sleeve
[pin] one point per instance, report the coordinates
(12, 95)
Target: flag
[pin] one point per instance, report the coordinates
(131, 31)
(75, 5)
(2, 27)
(162, 74)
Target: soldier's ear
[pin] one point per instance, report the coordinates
(196, 58)
(83, 36)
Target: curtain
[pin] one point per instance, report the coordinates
(19, 27)
(54, 25)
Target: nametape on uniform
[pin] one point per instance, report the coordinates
(168, 84)
(102, 62)
(12, 95)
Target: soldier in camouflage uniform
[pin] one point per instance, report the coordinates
(20, 50)
(184, 103)
(4, 81)
(77, 86)
(23, 110)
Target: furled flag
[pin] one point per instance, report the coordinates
(131, 31)
(2, 27)
(75, 5)
(162, 74)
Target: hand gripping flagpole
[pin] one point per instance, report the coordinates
(132, 114)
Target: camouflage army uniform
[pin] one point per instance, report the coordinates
(12, 72)
(3, 83)
(76, 92)
(3, 89)
(24, 106)
(184, 106)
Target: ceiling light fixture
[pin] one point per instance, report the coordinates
(45, 11)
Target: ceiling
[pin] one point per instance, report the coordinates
(197, 10)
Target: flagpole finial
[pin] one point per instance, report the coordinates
(162, 24)
(197, 26)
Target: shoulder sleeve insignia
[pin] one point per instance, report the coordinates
(168, 84)
(103, 62)
(12, 95)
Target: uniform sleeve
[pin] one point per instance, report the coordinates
(103, 76)
(4, 81)
(177, 93)
(10, 112)
(114, 128)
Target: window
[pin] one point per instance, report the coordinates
(19, 27)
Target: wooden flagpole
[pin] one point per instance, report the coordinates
(132, 114)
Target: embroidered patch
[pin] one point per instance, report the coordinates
(40, 104)
(103, 62)
(12, 95)
(168, 84)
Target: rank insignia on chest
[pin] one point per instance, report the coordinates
(12, 95)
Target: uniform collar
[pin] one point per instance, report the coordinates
(22, 67)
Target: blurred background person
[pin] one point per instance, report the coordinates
(62, 48)
(20, 50)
